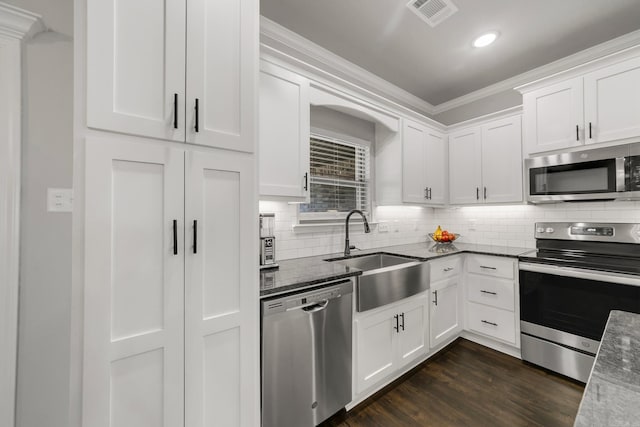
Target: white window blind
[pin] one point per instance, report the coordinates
(339, 179)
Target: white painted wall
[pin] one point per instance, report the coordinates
(45, 271)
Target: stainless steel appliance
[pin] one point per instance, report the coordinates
(306, 356)
(577, 275)
(267, 240)
(611, 173)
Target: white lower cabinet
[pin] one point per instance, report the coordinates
(491, 290)
(170, 296)
(445, 308)
(389, 338)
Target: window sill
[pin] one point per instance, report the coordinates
(326, 226)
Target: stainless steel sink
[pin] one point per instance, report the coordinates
(386, 278)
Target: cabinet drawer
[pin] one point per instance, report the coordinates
(492, 321)
(490, 265)
(444, 268)
(491, 291)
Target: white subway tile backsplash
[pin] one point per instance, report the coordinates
(511, 225)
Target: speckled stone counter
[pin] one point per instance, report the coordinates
(306, 273)
(612, 394)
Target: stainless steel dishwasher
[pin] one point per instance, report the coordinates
(306, 356)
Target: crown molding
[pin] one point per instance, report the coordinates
(271, 31)
(18, 23)
(590, 54)
(502, 114)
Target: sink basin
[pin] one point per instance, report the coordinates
(386, 278)
(373, 261)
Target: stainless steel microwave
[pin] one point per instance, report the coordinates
(611, 173)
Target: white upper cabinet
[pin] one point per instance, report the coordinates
(502, 161)
(423, 164)
(283, 133)
(150, 62)
(485, 163)
(135, 67)
(465, 170)
(612, 102)
(593, 107)
(222, 66)
(554, 117)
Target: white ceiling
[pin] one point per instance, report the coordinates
(439, 64)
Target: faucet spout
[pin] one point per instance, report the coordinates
(347, 246)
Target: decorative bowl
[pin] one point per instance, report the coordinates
(452, 238)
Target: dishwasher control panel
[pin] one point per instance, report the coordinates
(302, 299)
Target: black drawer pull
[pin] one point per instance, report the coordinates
(402, 326)
(489, 323)
(397, 327)
(487, 267)
(435, 297)
(488, 292)
(447, 269)
(477, 193)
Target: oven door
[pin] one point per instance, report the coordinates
(573, 300)
(564, 311)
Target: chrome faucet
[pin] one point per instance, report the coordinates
(347, 247)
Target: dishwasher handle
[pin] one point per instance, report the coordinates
(316, 307)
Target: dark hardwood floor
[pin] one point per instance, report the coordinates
(469, 385)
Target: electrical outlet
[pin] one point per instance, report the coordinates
(383, 227)
(59, 200)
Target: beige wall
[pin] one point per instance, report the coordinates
(45, 264)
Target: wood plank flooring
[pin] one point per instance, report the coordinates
(469, 385)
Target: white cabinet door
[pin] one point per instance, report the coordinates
(444, 310)
(502, 161)
(222, 73)
(413, 340)
(554, 117)
(133, 371)
(414, 187)
(435, 167)
(284, 133)
(612, 102)
(375, 346)
(221, 306)
(135, 67)
(465, 178)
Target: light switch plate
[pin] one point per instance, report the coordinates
(59, 200)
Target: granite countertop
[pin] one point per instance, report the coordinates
(306, 273)
(612, 394)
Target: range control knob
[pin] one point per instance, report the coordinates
(549, 230)
(541, 230)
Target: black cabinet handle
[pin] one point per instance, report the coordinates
(485, 193)
(175, 237)
(577, 133)
(175, 111)
(429, 193)
(195, 236)
(488, 292)
(435, 297)
(197, 124)
(306, 181)
(397, 327)
(590, 136)
(402, 326)
(489, 323)
(477, 193)
(487, 267)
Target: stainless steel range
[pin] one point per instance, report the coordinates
(577, 275)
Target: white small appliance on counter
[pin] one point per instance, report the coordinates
(267, 241)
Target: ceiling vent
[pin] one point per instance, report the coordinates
(433, 12)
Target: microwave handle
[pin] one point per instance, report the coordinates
(620, 174)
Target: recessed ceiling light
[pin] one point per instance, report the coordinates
(485, 39)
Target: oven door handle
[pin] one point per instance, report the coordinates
(579, 273)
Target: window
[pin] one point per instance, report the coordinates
(339, 179)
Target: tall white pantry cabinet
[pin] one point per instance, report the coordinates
(170, 292)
